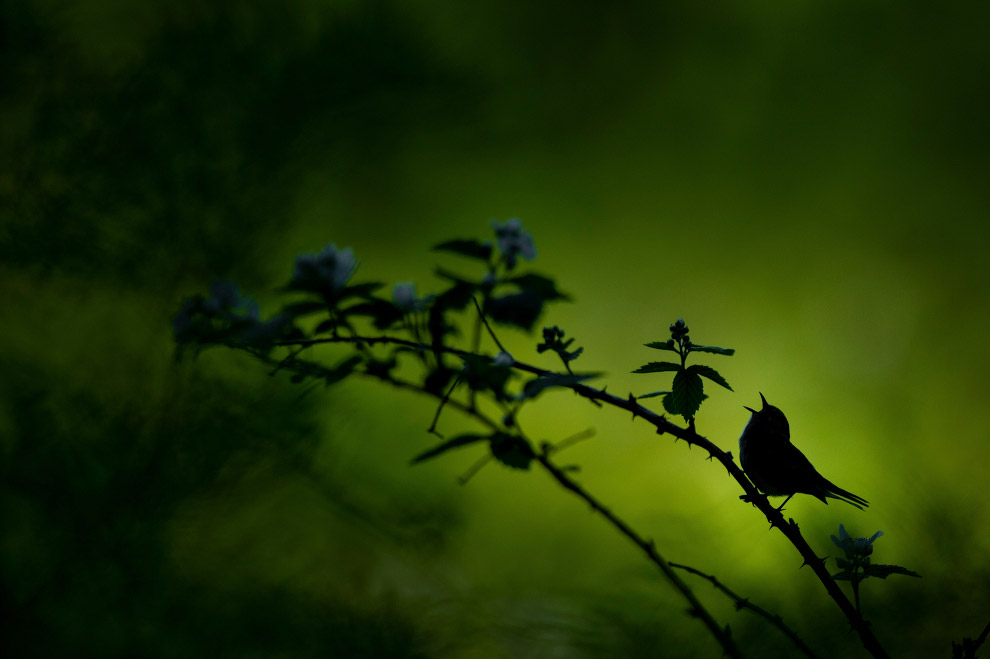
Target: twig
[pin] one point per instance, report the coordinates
(697, 610)
(488, 327)
(443, 401)
(744, 603)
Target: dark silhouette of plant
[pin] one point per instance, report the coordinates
(409, 328)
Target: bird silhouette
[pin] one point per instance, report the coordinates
(777, 467)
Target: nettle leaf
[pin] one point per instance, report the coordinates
(661, 345)
(658, 367)
(341, 370)
(467, 247)
(728, 352)
(454, 442)
(481, 374)
(381, 368)
(884, 571)
(457, 296)
(304, 308)
(358, 290)
(520, 309)
(687, 393)
(383, 313)
(542, 286)
(437, 381)
(536, 386)
(512, 451)
(710, 373)
(653, 394)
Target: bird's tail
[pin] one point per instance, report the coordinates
(835, 492)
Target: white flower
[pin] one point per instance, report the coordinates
(331, 268)
(513, 241)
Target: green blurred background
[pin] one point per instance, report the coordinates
(804, 182)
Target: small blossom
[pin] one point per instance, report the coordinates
(503, 359)
(331, 269)
(404, 294)
(513, 241)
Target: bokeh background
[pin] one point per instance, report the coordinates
(804, 182)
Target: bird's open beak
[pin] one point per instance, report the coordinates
(764, 400)
(750, 409)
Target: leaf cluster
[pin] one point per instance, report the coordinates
(687, 391)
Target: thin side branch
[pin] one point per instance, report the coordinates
(744, 603)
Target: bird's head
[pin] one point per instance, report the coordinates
(771, 421)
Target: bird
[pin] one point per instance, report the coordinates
(777, 467)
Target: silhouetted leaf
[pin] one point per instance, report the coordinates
(383, 313)
(710, 373)
(884, 571)
(457, 296)
(542, 286)
(481, 374)
(653, 394)
(713, 349)
(660, 345)
(511, 450)
(536, 386)
(658, 367)
(687, 393)
(324, 326)
(304, 308)
(520, 309)
(358, 290)
(381, 368)
(341, 370)
(455, 442)
(471, 248)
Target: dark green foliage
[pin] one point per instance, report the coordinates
(471, 248)
(519, 309)
(512, 450)
(688, 391)
(553, 339)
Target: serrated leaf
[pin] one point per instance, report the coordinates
(728, 352)
(845, 575)
(542, 286)
(884, 571)
(710, 373)
(455, 442)
(466, 247)
(358, 290)
(668, 404)
(688, 392)
(660, 345)
(536, 386)
(520, 309)
(653, 394)
(303, 308)
(658, 367)
(512, 451)
(480, 374)
(341, 370)
(382, 312)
